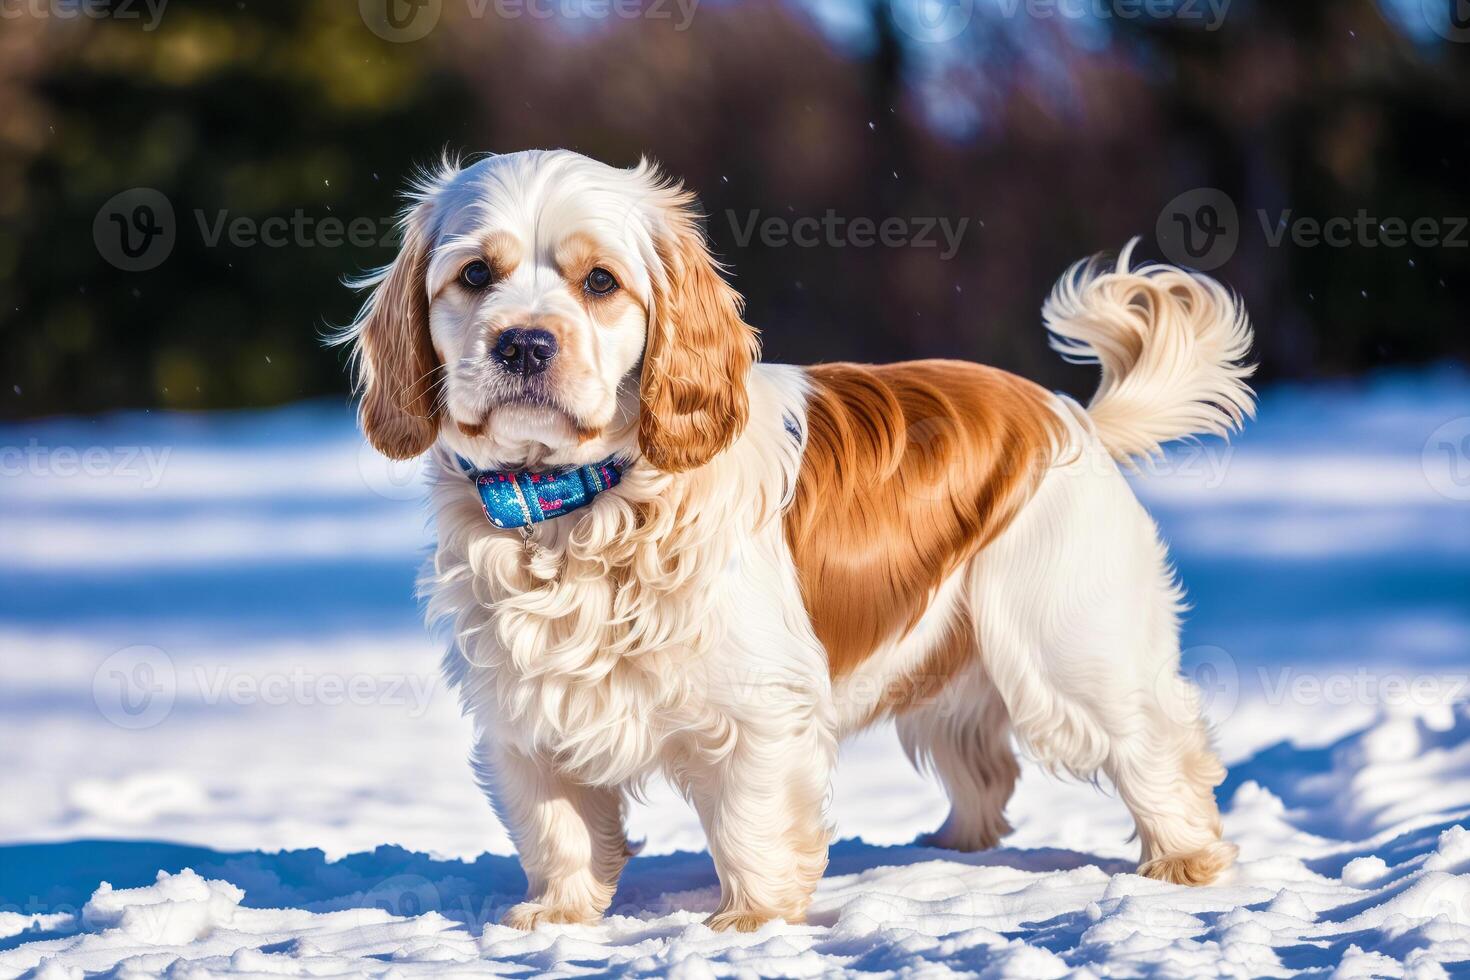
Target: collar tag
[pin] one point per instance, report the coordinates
(517, 498)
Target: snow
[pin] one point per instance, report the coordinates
(226, 750)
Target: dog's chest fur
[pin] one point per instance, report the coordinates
(650, 624)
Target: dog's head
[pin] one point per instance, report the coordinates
(549, 310)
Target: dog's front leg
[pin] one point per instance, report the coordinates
(762, 809)
(569, 837)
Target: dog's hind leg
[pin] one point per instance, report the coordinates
(1167, 775)
(963, 736)
(1076, 615)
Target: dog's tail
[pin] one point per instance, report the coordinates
(1172, 346)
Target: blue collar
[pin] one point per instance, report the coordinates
(518, 499)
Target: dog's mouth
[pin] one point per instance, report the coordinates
(533, 415)
(513, 410)
(483, 394)
(528, 401)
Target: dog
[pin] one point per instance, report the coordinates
(657, 555)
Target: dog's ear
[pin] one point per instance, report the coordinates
(397, 366)
(699, 351)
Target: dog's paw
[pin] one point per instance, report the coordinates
(529, 915)
(738, 921)
(932, 839)
(946, 839)
(1199, 867)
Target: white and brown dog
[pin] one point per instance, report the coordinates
(775, 557)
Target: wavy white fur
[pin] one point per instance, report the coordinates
(667, 639)
(1172, 347)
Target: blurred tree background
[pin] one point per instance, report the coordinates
(1058, 128)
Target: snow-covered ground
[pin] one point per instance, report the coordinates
(224, 746)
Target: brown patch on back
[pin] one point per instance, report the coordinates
(909, 470)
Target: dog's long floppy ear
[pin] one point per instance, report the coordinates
(397, 366)
(699, 351)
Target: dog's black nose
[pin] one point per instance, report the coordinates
(525, 352)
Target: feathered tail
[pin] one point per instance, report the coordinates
(1172, 346)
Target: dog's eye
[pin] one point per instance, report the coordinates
(601, 282)
(476, 275)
